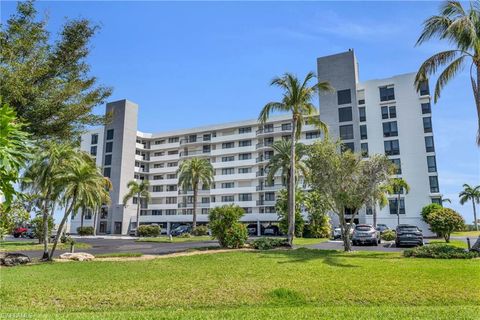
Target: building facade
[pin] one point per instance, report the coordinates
(378, 116)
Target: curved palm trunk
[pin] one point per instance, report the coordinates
(45, 232)
(194, 222)
(83, 215)
(398, 208)
(95, 214)
(138, 212)
(291, 194)
(474, 215)
(476, 94)
(60, 227)
(374, 214)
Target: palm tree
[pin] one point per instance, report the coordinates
(140, 191)
(462, 29)
(281, 161)
(446, 200)
(397, 186)
(40, 179)
(472, 194)
(103, 199)
(82, 183)
(191, 173)
(379, 198)
(297, 100)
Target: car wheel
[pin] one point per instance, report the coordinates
(379, 241)
(397, 244)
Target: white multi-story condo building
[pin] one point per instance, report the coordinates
(385, 116)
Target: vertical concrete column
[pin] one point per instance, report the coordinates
(259, 229)
(169, 225)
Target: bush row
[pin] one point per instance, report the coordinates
(85, 231)
(440, 251)
(148, 231)
(269, 243)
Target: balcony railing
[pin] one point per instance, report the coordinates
(269, 187)
(184, 154)
(195, 140)
(263, 202)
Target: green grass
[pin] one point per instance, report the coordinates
(176, 239)
(119, 255)
(308, 241)
(11, 246)
(455, 243)
(286, 284)
(466, 234)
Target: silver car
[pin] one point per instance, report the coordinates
(366, 234)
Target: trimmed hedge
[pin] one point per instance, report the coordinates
(440, 251)
(148, 231)
(388, 235)
(85, 231)
(269, 243)
(201, 231)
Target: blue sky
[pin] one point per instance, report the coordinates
(190, 63)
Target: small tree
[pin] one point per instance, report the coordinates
(226, 226)
(12, 216)
(318, 219)
(397, 187)
(38, 227)
(140, 191)
(428, 209)
(281, 207)
(470, 193)
(445, 221)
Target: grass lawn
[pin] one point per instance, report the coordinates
(11, 246)
(308, 241)
(176, 239)
(466, 234)
(455, 243)
(280, 284)
(119, 255)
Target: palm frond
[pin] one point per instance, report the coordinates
(450, 71)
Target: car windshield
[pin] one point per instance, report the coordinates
(408, 229)
(363, 228)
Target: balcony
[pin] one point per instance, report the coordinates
(195, 140)
(263, 202)
(189, 205)
(274, 187)
(194, 153)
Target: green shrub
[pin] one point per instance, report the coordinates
(388, 235)
(226, 227)
(445, 221)
(440, 251)
(185, 235)
(429, 209)
(318, 220)
(201, 231)
(148, 231)
(264, 243)
(37, 225)
(85, 231)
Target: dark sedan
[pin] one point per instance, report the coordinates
(408, 235)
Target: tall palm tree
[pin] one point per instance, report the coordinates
(103, 199)
(281, 161)
(379, 198)
(470, 193)
(40, 179)
(140, 191)
(461, 28)
(82, 183)
(297, 100)
(191, 173)
(397, 186)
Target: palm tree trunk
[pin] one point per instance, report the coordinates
(345, 231)
(291, 194)
(95, 214)
(398, 209)
(138, 211)
(374, 214)
(60, 227)
(476, 93)
(45, 231)
(194, 222)
(474, 215)
(81, 220)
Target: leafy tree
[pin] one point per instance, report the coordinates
(14, 151)
(318, 218)
(297, 100)
(191, 173)
(281, 208)
(39, 228)
(470, 193)
(445, 221)
(345, 180)
(226, 226)
(428, 209)
(139, 190)
(12, 216)
(460, 27)
(46, 79)
(398, 186)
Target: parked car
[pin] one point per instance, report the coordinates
(132, 232)
(19, 232)
(365, 234)
(271, 230)
(382, 227)
(178, 231)
(337, 232)
(252, 229)
(408, 234)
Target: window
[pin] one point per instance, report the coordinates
(109, 147)
(424, 89)
(159, 141)
(437, 200)
(228, 145)
(244, 170)
(158, 177)
(268, 128)
(207, 137)
(159, 165)
(245, 197)
(228, 185)
(107, 172)
(108, 159)
(393, 206)
(426, 108)
(391, 147)
(312, 135)
(387, 93)
(429, 145)
(244, 143)
(348, 146)
(172, 164)
(364, 149)
(205, 200)
(268, 141)
(170, 212)
(171, 187)
(228, 159)
(109, 134)
(172, 139)
(244, 130)
(247, 210)
(434, 184)
(93, 150)
(94, 138)
(361, 101)
(157, 188)
(390, 129)
(171, 176)
(389, 112)
(172, 152)
(286, 126)
(159, 154)
(206, 149)
(344, 96)
(228, 170)
(192, 138)
(363, 131)
(398, 165)
(427, 124)
(362, 114)
(346, 132)
(170, 200)
(345, 114)
(432, 164)
(244, 156)
(228, 198)
(269, 196)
